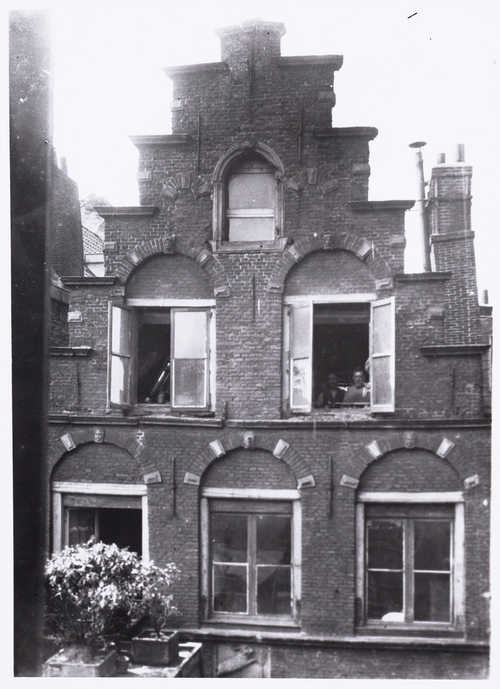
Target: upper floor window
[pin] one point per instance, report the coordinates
(338, 353)
(248, 198)
(251, 201)
(162, 355)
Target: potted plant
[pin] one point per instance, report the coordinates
(156, 645)
(91, 599)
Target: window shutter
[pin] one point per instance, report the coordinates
(300, 357)
(189, 358)
(382, 354)
(121, 334)
(285, 377)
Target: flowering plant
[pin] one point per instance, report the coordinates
(98, 591)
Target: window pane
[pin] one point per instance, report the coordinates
(300, 382)
(189, 382)
(385, 544)
(273, 539)
(381, 376)
(251, 190)
(432, 545)
(385, 595)
(273, 590)
(301, 330)
(80, 525)
(230, 588)
(190, 334)
(229, 537)
(120, 331)
(382, 329)
(251, 229)
(432, 597)
(119, 379)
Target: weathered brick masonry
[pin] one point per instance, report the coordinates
(331, 244)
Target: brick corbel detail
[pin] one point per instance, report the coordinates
(169, 245)
(341, 241)
(238, 439)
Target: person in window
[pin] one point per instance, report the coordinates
(330, 394)
(359, 391)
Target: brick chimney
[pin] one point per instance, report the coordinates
(254, 40)
(452, 245)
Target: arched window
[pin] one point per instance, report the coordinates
(248, 198)
(251, 201)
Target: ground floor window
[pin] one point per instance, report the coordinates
(107, 524)
(251, 555)
(411, 562)
(113, 513)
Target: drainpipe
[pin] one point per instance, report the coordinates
(420, 205)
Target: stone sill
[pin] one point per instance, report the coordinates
(178, 70)
(390, 205)
(126, 211)
(80, 418)
(368, 423)
(339, 132)
(333, 61)
(454, 350)
(301, 638)
(77, 281)
(160, 140)
(270, 245)
(67, 351)
(431, 276)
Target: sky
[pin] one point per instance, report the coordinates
(417, 71)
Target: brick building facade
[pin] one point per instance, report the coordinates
(187, 417)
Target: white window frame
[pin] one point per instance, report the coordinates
(310, 301)
(457, 579)
(246, 494)
(60, 488)
(132, 305)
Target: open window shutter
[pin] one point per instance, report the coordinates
(300, 357)
(121, 337)
(285, 378)
(189, 358)
(382, 354)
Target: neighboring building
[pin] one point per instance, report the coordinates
(93, 236)
(350, 541)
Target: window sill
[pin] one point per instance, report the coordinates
(165, 410)
(410, 631)
(360, 413)
(269, 245)
(252, 622)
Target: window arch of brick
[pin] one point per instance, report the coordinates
(278, 447)
(170, 245)
(344, 241)
(220, 179)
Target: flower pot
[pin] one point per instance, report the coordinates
(77, 662)
(153, 650)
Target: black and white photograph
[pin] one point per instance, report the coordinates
(252, 267)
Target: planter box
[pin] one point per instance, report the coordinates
(151, 650)
(65, 664)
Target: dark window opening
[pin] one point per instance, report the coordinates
(340, 347)
(153, 355)
(109, 525)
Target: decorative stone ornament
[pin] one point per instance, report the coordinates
(152, 477)
(445, 447)
(248, 440)
(98, 435)
(217, 448)
(374, 450)
(191, 479)
(280, 448)
(67, 441)
(349, 482)
(409, 439)
(471, 481)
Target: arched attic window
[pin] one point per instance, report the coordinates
(248, 198)
(251, 201)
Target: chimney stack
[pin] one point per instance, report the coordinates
(460, 153)
(253, 40)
